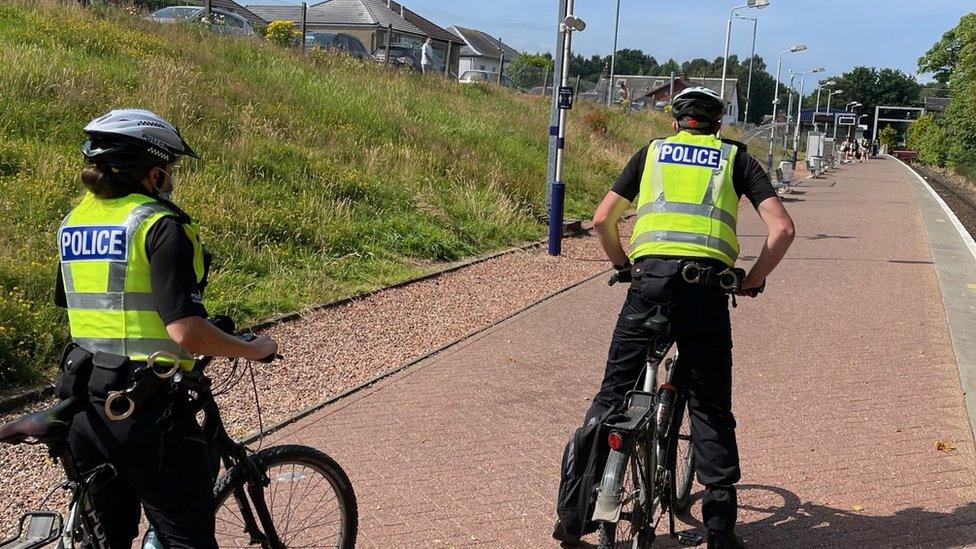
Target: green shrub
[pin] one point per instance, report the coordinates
(281, 33)
(888, 136)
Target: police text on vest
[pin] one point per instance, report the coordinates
(93, 243)
(689, 155)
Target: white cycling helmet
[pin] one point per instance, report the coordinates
(126, 138)
(701, 104)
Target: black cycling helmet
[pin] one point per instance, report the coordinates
(697, 107)
(131, 138)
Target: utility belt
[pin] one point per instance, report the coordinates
(694, 271)
(117, 382)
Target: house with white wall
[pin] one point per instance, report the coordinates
(481, 51)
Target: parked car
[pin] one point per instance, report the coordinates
(336, 40)
(402, 55)
(224, 22)
(470, 77)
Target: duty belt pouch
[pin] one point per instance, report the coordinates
(110, 372)
(76, 368)
(654, 279)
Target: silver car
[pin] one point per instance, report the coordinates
(224, 22)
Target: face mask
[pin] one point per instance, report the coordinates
(165, 195)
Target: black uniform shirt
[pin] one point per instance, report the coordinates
(174, 286)
(748, 176)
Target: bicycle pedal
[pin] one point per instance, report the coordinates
(691, 538)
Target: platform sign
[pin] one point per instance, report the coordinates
(565, 97)
(846, 119)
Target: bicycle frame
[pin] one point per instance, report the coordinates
(640, 411)
(231, 454)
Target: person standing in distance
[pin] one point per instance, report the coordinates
(687, 189)
(132, 275)
(427, 56)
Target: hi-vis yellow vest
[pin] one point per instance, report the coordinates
(102, 244)
(687, 205)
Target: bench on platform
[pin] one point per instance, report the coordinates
(905, 156)
(784, 177)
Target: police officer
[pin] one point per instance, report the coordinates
(132, 274)
(687, 189)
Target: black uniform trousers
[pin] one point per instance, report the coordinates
(700, 323)
(169, 474)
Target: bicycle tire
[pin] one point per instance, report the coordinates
(307, 458)
(684, 476)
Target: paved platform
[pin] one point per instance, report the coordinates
(845, 380)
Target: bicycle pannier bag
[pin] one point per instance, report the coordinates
(582, 467)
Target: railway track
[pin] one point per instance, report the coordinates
(961, 201)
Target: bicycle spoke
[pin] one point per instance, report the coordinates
(319, 505)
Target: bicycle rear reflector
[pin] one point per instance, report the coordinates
(615, 441)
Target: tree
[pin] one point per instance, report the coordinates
(872, 87)
(950, 139)
(942, 57)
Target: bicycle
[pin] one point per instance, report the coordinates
(651, 464)
(256, 495)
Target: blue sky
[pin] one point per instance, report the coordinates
(840, 34)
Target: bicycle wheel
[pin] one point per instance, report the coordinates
(309, 497)
(682, 458)
(634, 529)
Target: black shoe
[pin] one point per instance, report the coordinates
(560, 534)
(724, 540)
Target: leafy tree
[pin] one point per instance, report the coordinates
(942, 57)
(282, 33)
(872, 87)
(959, 119)
(917, 130)
(950, 139)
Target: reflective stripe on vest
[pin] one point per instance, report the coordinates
(687, 205)
(107, 286)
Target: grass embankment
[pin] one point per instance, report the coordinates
(321, 176)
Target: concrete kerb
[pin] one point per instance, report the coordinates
(955, 266)
(402, 367)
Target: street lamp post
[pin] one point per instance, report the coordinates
(752, 61)
(759, 4)
(820, 87)
(772, 128)
(789, 108)
(613, 56)
(799, 111)
(569, 24)
(829, 95)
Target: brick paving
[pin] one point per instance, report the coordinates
(845, 379)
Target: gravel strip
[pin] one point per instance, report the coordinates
(333, 350)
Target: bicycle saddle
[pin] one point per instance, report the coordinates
(43, 426)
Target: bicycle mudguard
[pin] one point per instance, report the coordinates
(638, 411)
(607, 507)
(43, 527)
